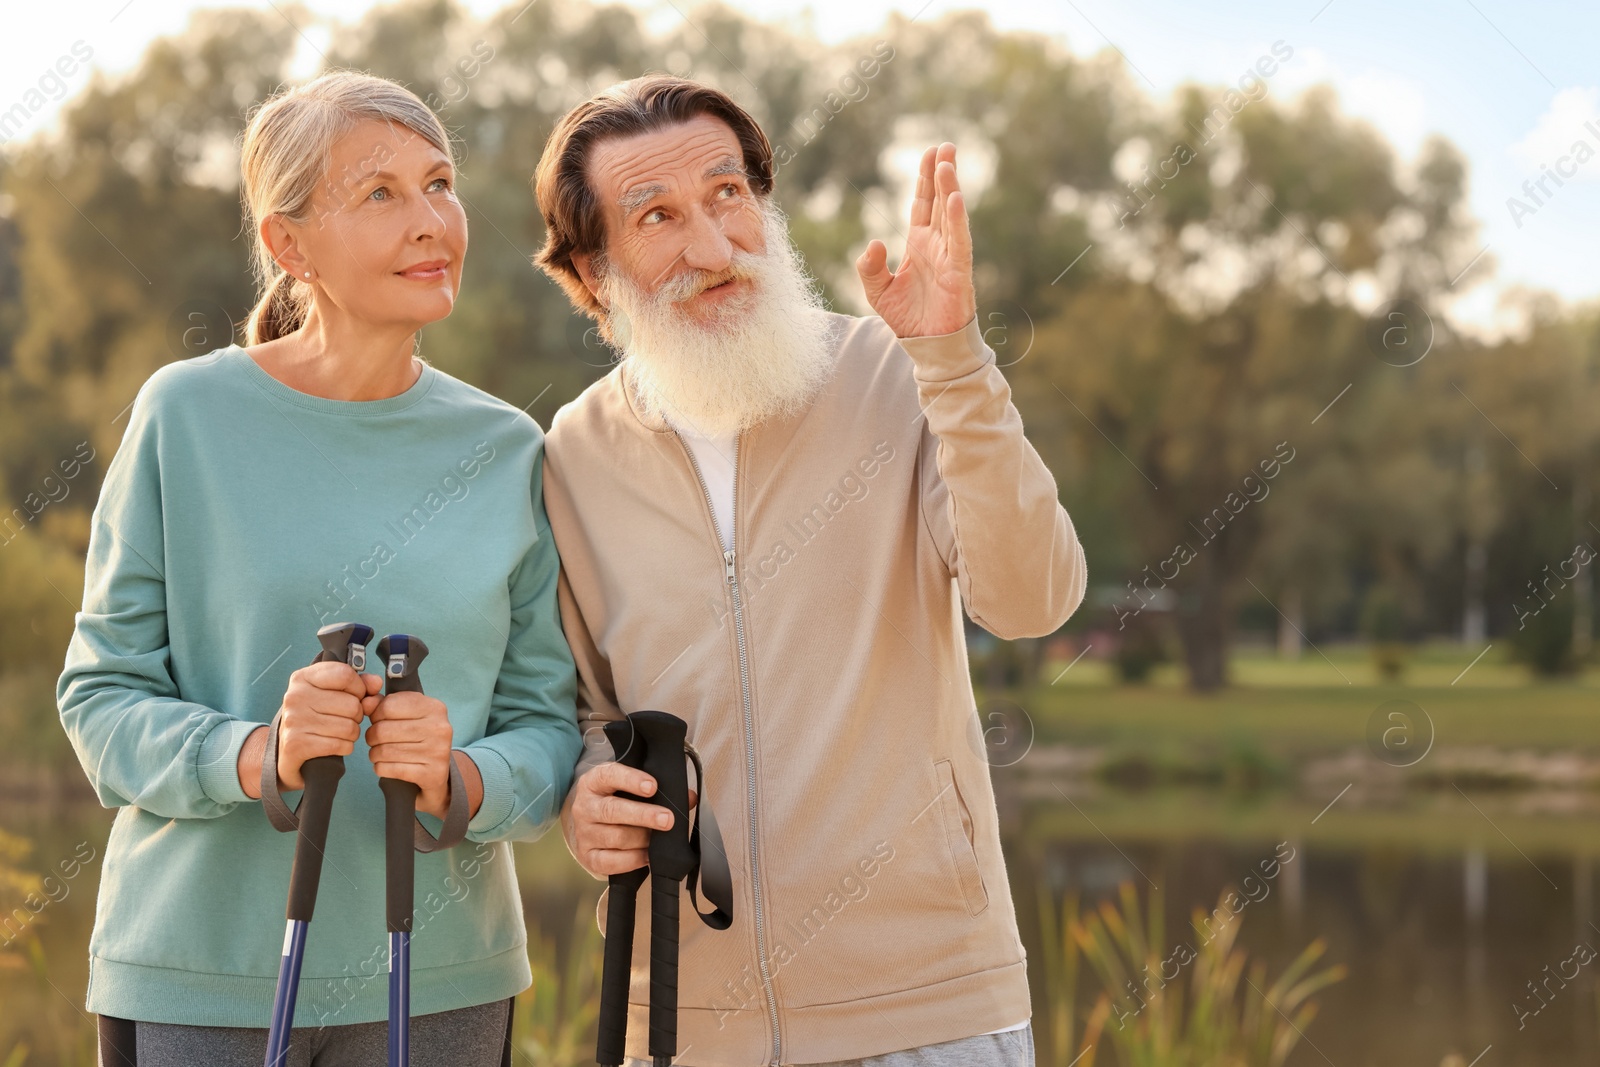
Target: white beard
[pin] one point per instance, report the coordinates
(759, 355)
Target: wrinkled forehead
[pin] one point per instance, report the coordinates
(625, 172)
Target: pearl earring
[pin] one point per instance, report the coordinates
(308, 274)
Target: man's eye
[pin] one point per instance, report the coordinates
(648, 215)
(730, 187)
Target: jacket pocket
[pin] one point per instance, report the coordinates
(958, 836)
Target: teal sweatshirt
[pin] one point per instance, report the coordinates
(238, 516)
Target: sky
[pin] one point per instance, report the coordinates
(1514, 84)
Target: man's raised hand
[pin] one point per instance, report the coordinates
(932, 292)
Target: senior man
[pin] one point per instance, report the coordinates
(770, 517)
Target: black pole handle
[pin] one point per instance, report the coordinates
(664, 897)
(343, 642)
(622, 906)
(663, 736)
(671, 861)
(401, 655)
(322, 776)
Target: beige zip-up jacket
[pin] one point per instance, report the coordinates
(822, 669)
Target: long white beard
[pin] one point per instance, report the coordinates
(760, 355)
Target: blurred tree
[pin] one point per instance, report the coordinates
(1216, 356)
(1176, 288)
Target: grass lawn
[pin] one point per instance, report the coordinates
(1282, 715)
(1315, 704)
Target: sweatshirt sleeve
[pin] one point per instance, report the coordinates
(531, 743)
(597, 703)
(140, 743)
(988, 500)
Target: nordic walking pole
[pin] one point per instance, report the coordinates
(672, 859)
(401, 655)
(621, 907)
(656, 743)
(345, 642)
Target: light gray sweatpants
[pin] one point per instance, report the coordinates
(463, 1037)
(1012, 1048)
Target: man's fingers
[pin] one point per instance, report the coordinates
(873, 267)
(944, 186)
(620, 811)
(603, 836)
(958, 231)
(922, 201)
(603, 863)
(609, 778)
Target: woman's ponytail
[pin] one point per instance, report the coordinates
(280, 312)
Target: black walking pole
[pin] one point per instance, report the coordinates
(347, 642)
(621, 907)
(656, 742)
(401, 655)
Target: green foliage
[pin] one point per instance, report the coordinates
(554, 1021)
(1202, 1003)
(1062, 962)
(1544, 643)
(1383, 622)
(17, 885)
(999, 665)
(1156, 374)
(1240, 767)
(1140, 650)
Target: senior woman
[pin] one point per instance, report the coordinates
(322, 473)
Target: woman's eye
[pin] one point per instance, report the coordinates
(375, 192)
(446, 181)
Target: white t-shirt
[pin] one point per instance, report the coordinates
(1004, 1029)
(715, 455)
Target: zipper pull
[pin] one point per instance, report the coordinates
(727, 558)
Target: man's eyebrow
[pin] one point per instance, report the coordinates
(729, 165)
(632, 201)
(638, 198)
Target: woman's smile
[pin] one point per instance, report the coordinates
(431, 271)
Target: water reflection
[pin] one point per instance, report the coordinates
(1453, 932)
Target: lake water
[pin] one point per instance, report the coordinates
(1443, 907)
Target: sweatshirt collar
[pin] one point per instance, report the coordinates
(649, 420)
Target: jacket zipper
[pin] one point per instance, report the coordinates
(728, 560)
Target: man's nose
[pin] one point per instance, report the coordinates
(709, 248)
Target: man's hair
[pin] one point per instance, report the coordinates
(573, 218)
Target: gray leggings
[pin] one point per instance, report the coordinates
(1011, 1048)
(465, 1037)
